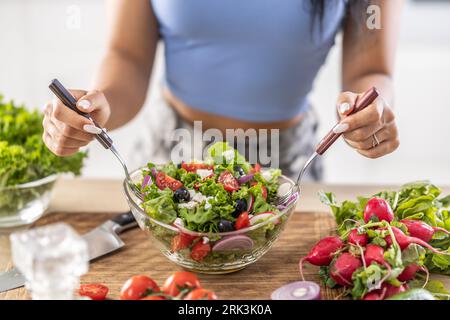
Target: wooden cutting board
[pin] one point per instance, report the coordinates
(278, 267)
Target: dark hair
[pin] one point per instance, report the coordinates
(355, 9)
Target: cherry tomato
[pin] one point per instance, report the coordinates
(242, 221)
(153, 298)
(263, 189)
(137, 287)
(95, 291)
(228, 181)
(180, 280)
(201, 294)
(192, 167)
(181, 241)
(256, 168)
(200, 250)
(164, 181)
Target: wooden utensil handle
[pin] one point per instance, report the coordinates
(367, 98)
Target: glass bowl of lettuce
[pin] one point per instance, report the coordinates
(213, 216)
(28, 170)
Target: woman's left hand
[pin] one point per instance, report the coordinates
(372, 131)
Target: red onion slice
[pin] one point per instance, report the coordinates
(146, 181)
(263, 216)
(235, 242)
(245, 179)
(299, 290)
(153, 170)
(250, 202)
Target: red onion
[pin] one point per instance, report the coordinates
(236, 242)
(245, 179)
(261, 216)
(146, 181)
(153, 170)
(299, 290)
(250, 202)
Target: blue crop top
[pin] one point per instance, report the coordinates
(252, 60)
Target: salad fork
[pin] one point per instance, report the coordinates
(287, 195)
(105, 140)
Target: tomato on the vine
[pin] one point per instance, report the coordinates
(201, 294)
(180, 280)
(138, 287)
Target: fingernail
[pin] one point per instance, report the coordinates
(84, 104)
(91, 129)
(340, 127)
(344, 107)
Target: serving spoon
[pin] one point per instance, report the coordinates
(105, 140)
(286, 195)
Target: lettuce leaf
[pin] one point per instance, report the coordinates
(23, 155)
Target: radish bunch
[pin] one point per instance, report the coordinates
(367, 259)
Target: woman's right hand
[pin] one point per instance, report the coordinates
(65, 131)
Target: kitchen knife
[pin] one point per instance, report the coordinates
(102, 240)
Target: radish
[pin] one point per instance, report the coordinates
(409, 272)
(322, 252)
(374, 295)
(421, 230)
(358, 239)
(392, 290)
(404, 241)
(342, 269)
(374, 253)
(377, 207)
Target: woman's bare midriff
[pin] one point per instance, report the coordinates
(210, 120)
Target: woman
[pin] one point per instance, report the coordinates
(239, 64)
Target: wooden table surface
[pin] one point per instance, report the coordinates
(278, 267)
(86, 204)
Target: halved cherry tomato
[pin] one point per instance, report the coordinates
(153, 298)
(242, 221)
(181, 241)
(256, 168)
(164, 181)
(95, 291)
(228, 181)
(201, 294)
(138, 287)
(180, 280)
(263, 189)
(200, 250)
(192, 167)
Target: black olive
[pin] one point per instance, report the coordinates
(225, 226)
(179, 165)
(239, 170)
(241, 206)
(182, 194)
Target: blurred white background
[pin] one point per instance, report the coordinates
(39, 42)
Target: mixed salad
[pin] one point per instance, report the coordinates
(221, 194)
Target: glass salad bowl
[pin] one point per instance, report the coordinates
(230, 251)
(25, 203)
